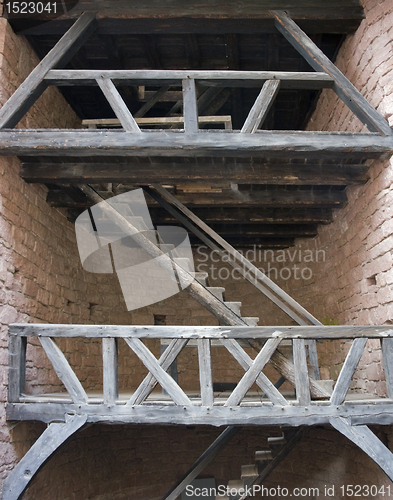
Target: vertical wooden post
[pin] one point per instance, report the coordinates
(17, 367)
(302, 381)
(205, 372)
(190, 107)
(110, 370)
(387, 353)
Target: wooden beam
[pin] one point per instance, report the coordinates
(252, 373)
(302, 383)
(224, 78)
(387, 353)
(211, 332)
(261, 107)
(110, 370)
(151, 102)
(199, 173)
(207, 456)
(367, 441)
(16, 367)
(205, 372)
(118, 105)
(245, 362)
(190, 108)
(35, 84)
(261, 144)
(342, 86)
(64, 371)
(344, 379)
(47, 444)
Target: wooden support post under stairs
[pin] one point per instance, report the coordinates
(206, 457)
(34, 85)
(49, 441)
(261, 107)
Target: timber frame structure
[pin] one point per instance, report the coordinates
(86, 160)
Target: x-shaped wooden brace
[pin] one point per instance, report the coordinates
(157, 369)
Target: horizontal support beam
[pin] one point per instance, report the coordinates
(197, 173)
(268, 231)
(224, 78)
(194, 332)
(263, 143)
(197, 415)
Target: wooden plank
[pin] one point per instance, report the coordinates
(47, 444)
(190, 108)
(199, 465)
(110, 370)
(342, 86)
(302, 383)
(35, 84)
(118, 105)
(151, 102)
(261, 107)
(165, 380)
(198, 173)
(158, 120)
(210, 332)
(223, 78)
(217, 144)
(263, 382)
(64, 370)
(344, 379)
(243, 265)
(165, 361)
(16, 367)
(162, 413)
(205, 372)
(286, 368)
(387, 353)
(367, 441)
(252, 373)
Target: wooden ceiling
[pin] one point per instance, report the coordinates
(249, 200)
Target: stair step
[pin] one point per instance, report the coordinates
(275, 442)
(251, 320)
(222, 497)
(183, 262)
(138, 222)
(249, 471)
(236, 484)
(202, 277)
(234, 306)
(217, 291)
(263, 455)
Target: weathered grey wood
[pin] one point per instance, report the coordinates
(313, 357)
(261, 106)
(302, 383)
(243, 265)
(64, 370)
(49, 441)
(151, 102)
(212, 332)
(118, 105)
(241, 172)
(110, 370)
(207, 456)
(387, 353)
(205, 372)
(283, 453)
(263, 382)
(367, 441)
(35, 84)
(344, 379)
(252, 373)
(286, 368)
(342, 86)
(165, 380)
(207, 143)
(373, 411)
(160, 120)
(190, 108)
(223, 78)
(16, 367)
(149, 382)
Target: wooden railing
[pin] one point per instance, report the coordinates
(177, 406)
